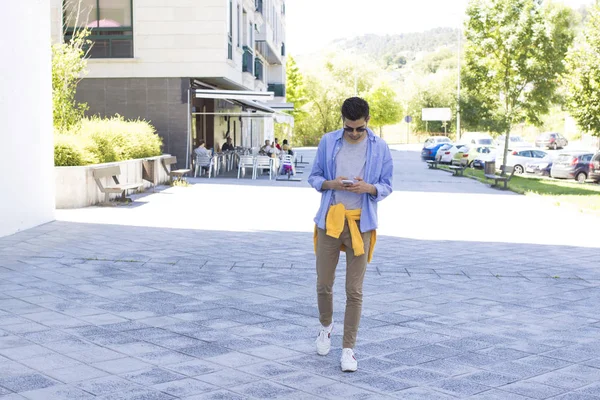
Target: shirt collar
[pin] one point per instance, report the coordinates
(340, 133)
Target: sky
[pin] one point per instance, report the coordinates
(312, 24)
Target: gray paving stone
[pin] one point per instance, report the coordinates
(195, 368)
(184, 387)
(58, 392)
(152, 376)
(137, 394)
(459, 387)
(24, 383)
(533, 389)
(75, 374)
(416, 375)
(227, 378)
(263, 390)
(218, 395)
(106, 386)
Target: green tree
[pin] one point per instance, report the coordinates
(68, 66)
(583, 85)
(384, 108)
(514, 55)
(295, 88)
(326, 87)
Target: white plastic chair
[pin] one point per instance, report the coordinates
(262, 163)
(245, 162)
(203, 161)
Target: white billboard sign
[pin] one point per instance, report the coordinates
(436, 114)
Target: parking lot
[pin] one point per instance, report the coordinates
(207, 292)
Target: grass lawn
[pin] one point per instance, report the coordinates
(586, 197)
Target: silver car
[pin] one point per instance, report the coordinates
(521, 157)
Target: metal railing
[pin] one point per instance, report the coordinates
(277, 88)
(259, 69)
(247, 60)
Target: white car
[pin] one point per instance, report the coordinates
(445, 153)
(483, 156)
(514, 142)
(519, 158)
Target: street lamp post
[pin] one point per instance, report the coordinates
(458, 84)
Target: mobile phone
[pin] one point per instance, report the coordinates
(347, 182)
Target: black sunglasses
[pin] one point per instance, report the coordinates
(359, 130)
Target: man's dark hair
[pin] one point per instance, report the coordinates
(355, 108)
(201, 142)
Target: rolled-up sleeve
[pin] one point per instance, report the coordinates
(384, 185)
(317, 177)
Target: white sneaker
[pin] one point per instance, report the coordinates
(324, 340)
(348, 361)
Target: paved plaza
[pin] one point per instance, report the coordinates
(208, 292)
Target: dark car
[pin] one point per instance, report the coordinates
(431, 146)
(572, 165)
(594, 173)
(551, 140)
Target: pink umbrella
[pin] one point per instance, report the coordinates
(104, 23)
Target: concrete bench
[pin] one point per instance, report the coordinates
(459, 169)
(501, 178)
(173, 173)
(118, 188)
(433, 164)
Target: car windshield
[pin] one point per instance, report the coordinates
(444, 140)
(485, 141)
(516, 139)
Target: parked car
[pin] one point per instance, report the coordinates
(462, 153)
(520, 158)
(572, 165)
(594, 173)
(446, 153)
(476, 139)
(551, 140)
(480, 153)
(539, 168)
(431, 146)
(514, 142)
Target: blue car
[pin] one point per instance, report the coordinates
(432, 145)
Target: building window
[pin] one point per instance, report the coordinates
(239, 26)
(110, 23)
(230, 33)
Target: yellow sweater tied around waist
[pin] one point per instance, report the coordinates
(334, 225)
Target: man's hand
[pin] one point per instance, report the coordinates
(360, 187)
(336, 184)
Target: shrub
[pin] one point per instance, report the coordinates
(106, 140)
(70, 150)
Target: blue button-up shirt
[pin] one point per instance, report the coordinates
(378, 172)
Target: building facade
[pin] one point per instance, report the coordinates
(196, 69)
(27, 183)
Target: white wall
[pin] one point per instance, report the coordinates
(177, 38)
(26, 144)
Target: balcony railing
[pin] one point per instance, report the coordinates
(259, 69)
(277, 88)
(247, 60)
(259, 6)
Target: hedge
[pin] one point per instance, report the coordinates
(106, 140)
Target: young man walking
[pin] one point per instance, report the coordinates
(353, 172)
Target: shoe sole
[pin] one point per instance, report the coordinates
(350, 369)
(323, 352)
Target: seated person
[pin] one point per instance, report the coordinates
(266, 148)
(228, 146)
(276, 144)
(203, 152)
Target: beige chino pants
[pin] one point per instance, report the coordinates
(328, 255)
